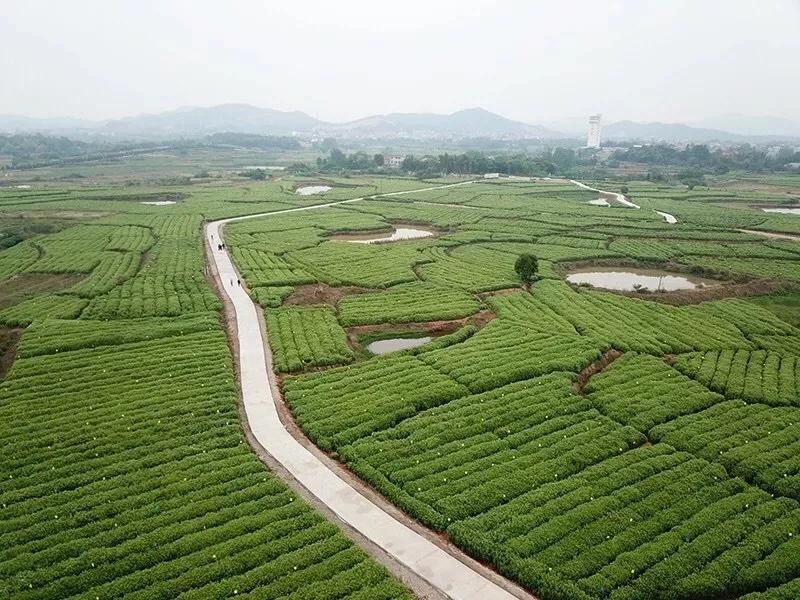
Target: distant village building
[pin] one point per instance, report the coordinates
(793, 166)
(491, 175)
(393, 161)
(593, 139)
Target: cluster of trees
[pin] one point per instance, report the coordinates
(21, 146)
(357, 161)
(527, 267)
(701, 157)
(548, 162)
(13, 232)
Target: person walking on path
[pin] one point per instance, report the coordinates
(239, 281)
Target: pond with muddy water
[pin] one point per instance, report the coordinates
(397, 235)
(626, 279)
(395, 344)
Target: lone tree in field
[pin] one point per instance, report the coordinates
(527, 266)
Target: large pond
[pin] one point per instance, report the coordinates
(308, 190)
(783, 211)
(399, 234)
(395, 344)
(628, 279)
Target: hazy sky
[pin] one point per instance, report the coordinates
(667, 60)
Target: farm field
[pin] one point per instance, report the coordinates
(125, 469)
(583, 443)
(580, 441)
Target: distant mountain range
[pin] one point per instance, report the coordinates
(244, 118)
(236, 118)
(746, 125)
(678, 132)
(475, 122)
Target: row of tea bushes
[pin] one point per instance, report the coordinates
(757, 442)
(406, 303)
(757, 375)
(648, 523)
(482, 450)
(642, 391)
(306, 336)
(125, 474)
(503, 352)
(341, 405)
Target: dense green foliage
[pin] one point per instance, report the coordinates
(124, 466)
(306, 336)
(504, 352)
(341, 405)
(700, 156)
(526, 267)
(758, 375)
(649, 523)
(643, 391)
(406, 303)
(483, 434)
(125, 473)
(753, 441)
(586, 444)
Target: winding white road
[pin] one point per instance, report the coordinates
(668, 217)
(440, 569)
(618, 197)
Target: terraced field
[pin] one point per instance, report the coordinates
(584, 444)
(124, 466)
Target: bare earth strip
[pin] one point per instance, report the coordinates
(773, 235)
(451, 573)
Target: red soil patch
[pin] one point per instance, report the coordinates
(595, 367)
(718, 292)
(321, 293)
(479, 319)
(22, 286)
(8, 348)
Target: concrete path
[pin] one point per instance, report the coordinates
(433, 564)
(668, 217)
(618, 197)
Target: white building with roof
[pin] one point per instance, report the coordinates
(393, 161)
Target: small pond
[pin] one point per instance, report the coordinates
(158, 202)
(624, 279)
(795, 210)
(400, 233)
(313, 189)
(395, 344)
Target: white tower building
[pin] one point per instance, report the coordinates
(593, 139)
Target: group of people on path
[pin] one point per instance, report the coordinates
(222, 247)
